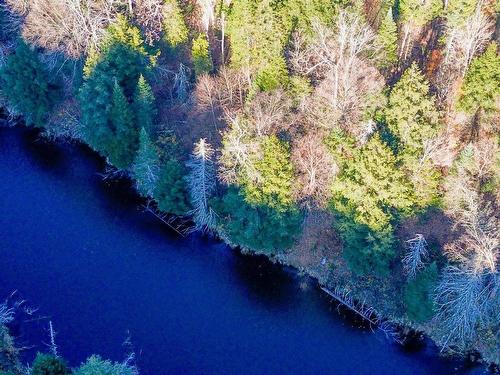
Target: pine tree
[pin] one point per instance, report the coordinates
(124, 143)
(146, 167)
(411, 114)
(200, 53)
(25, 84)
(481, 87)
(387, 38)
(145, 110)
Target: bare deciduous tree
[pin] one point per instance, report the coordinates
(338, 61)
(207, 12)
(269, 112)
(201, 182)
(149, 14)
(416, 254)
(239, 153)
(315, 167)
(464, 42)
(464, 300)
(69, 26)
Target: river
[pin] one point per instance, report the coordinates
(81, 252)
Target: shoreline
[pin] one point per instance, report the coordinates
(400, 331)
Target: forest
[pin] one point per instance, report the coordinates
(356, 140)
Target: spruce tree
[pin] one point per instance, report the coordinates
(481, 87)
(411, 114)
(274, 188)
(124, 143)
(367, 192)
(257, 227)
(25, 84)
(387, 38)
(46, 364)
(200, 53)
(171, 190)
(145, 110)
(146, 167)
(121, 62)
(174, 26)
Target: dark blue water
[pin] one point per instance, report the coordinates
(101, 270)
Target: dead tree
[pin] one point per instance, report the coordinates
(201, 182)
(416, 254)
(338, 59)
(315, 166)
(70, 26)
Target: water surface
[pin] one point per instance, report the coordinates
(81, 251)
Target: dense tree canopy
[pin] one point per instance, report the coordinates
(26, 85)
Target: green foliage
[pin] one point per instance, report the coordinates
(366, 251)
(387, 38)
(46, 364)
(200, 52)
(419, 13)
(123, 146)
(418, 294)
(107, 119)
(457, 12)
(170, 191)
(258, 39)
(257, 227)
(481, 87)
(369, 189)
(370, 185)
(274, 188)
(411, 114)
(25, 84)
(146, 165)
(144, 108)
(176, 31)
(95, 365)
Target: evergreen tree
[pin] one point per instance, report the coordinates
(145, 110)
(367, 191)
(111, 81)
(171, 190)
(370, 185)
(174, 26)
(481, 87)
(274, 188)
(46, 364)
(258, 38)
(411, 114)
(146, 167)
(457, 12)
(418, 294)
(95, 365)
(200, 53)
(418, 13)
(25, 84)
(125, 138)
(387, 38)
(257, 227)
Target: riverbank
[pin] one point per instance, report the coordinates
(322, 272)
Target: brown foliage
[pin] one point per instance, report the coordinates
(315, 167)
